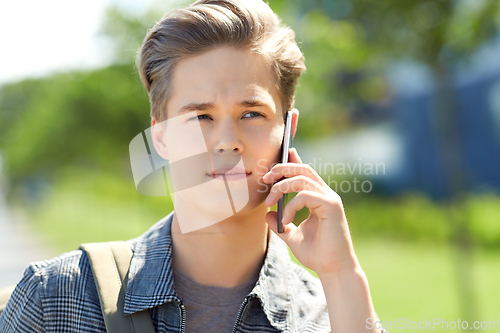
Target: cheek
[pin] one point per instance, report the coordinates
(270, 137)
(267, 149)
(277, 134)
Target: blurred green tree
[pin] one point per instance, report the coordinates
(65, 120)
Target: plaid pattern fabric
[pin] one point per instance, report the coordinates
(59, 295)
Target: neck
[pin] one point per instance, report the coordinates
(226, 254)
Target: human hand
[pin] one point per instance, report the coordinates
(321, 242)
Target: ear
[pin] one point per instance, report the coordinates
(295, 121)
(158, 136)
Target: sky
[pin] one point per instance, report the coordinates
(41, 37)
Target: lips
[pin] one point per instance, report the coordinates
(230, 173)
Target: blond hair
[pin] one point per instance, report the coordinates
(207, 24)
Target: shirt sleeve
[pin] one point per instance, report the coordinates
(24, 312)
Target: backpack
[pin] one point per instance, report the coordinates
(110, 264)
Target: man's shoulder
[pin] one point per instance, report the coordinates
(61, 291)
(66, 263)
(54, 293)
(71, 266)
(69, 273)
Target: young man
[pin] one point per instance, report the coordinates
(223, 72)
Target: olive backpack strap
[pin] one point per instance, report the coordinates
(110, 263)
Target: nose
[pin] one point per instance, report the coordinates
(227, 141)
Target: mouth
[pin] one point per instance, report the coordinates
(229, 174)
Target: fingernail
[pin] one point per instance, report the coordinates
(265, 178)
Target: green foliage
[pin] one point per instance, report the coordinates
(333, 50)
(409, 216)
(415, 217)
(83, 118)
(423, 29)
(127, 31)
(483, 214)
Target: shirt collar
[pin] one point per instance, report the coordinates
(150, 278)
(273, 287)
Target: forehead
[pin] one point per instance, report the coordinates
(223, 76)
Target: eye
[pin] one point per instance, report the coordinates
(253, 114)
(200, 117)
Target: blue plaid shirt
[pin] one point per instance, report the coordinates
(59, 295)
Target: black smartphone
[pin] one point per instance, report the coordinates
(287, 144)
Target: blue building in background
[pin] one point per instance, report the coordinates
(402, 133)
(479, 110)
(477, 93)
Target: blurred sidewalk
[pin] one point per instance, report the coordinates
(18, 246)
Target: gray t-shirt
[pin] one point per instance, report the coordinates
(210, 308)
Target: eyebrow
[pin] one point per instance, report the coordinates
(209, 106)
(196, 107)
(253, 103)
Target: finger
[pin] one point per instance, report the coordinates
(293, 156)
(309, 199)
(323, 206)
(289, 185)
(272, 221)
(289, 170)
